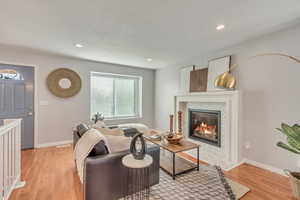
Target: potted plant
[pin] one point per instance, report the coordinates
(97, 117)
(293, 145)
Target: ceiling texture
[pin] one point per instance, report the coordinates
(130, 31)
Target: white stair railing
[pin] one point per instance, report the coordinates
(10, 157)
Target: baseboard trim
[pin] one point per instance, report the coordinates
(53, 144)
(234, 166)
(265, 166)
(20, 184)
(248, 161)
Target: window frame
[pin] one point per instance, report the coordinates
(137, 94)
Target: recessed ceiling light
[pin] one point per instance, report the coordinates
(149, 59)
(220, 27)
(78, 45)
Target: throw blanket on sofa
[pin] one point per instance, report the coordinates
(84, 146)
(86, 143)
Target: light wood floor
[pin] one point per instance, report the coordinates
(50, 175)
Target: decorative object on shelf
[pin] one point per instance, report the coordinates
(138, 146)
(226, 80)
(293, 139)
(155, 137)
(171, 124)
(198, 79)
(215, 68)
(64, 83)
(97, 117)
(170, 135)
(179, 122)
(175, 139)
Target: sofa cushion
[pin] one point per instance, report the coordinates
(81, 129)
(108, 131)
(142, 128)
(99, 149)
(118, 143)
(130, 132)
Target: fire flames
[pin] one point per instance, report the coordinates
(206, 129)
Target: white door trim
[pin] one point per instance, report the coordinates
(36, 111)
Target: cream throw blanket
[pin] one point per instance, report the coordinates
(84, 146)
(113, 141)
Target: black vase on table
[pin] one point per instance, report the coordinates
(138, 147)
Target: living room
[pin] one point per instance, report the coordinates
(214, 96)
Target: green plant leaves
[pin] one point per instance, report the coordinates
(293, 143)
(287, 147)
(293, 137)
(296, 128)
(290, 132)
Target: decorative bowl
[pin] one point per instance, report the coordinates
(175, 139)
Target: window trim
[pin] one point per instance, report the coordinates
(137, 99)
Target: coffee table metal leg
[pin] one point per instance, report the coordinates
(198, 159)
(173, 166)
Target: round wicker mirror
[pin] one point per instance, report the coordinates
(64, 83)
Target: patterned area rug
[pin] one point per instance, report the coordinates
(208, 183)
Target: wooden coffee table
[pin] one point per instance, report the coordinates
(175, 165)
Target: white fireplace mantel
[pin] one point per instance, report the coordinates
(229, 154)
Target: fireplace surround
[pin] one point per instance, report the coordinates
(205, 126)
(228, 154)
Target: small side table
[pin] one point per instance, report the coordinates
(138, 177)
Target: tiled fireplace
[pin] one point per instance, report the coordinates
(211, 120)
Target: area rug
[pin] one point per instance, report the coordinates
(208, 183)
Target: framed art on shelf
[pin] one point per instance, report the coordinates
(194, 83)
(215, 68)
(198, 80)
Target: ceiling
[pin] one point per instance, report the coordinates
(130, 31)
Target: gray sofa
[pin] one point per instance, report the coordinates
(106, 177)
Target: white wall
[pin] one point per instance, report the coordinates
(56, 120)
(270, 93)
